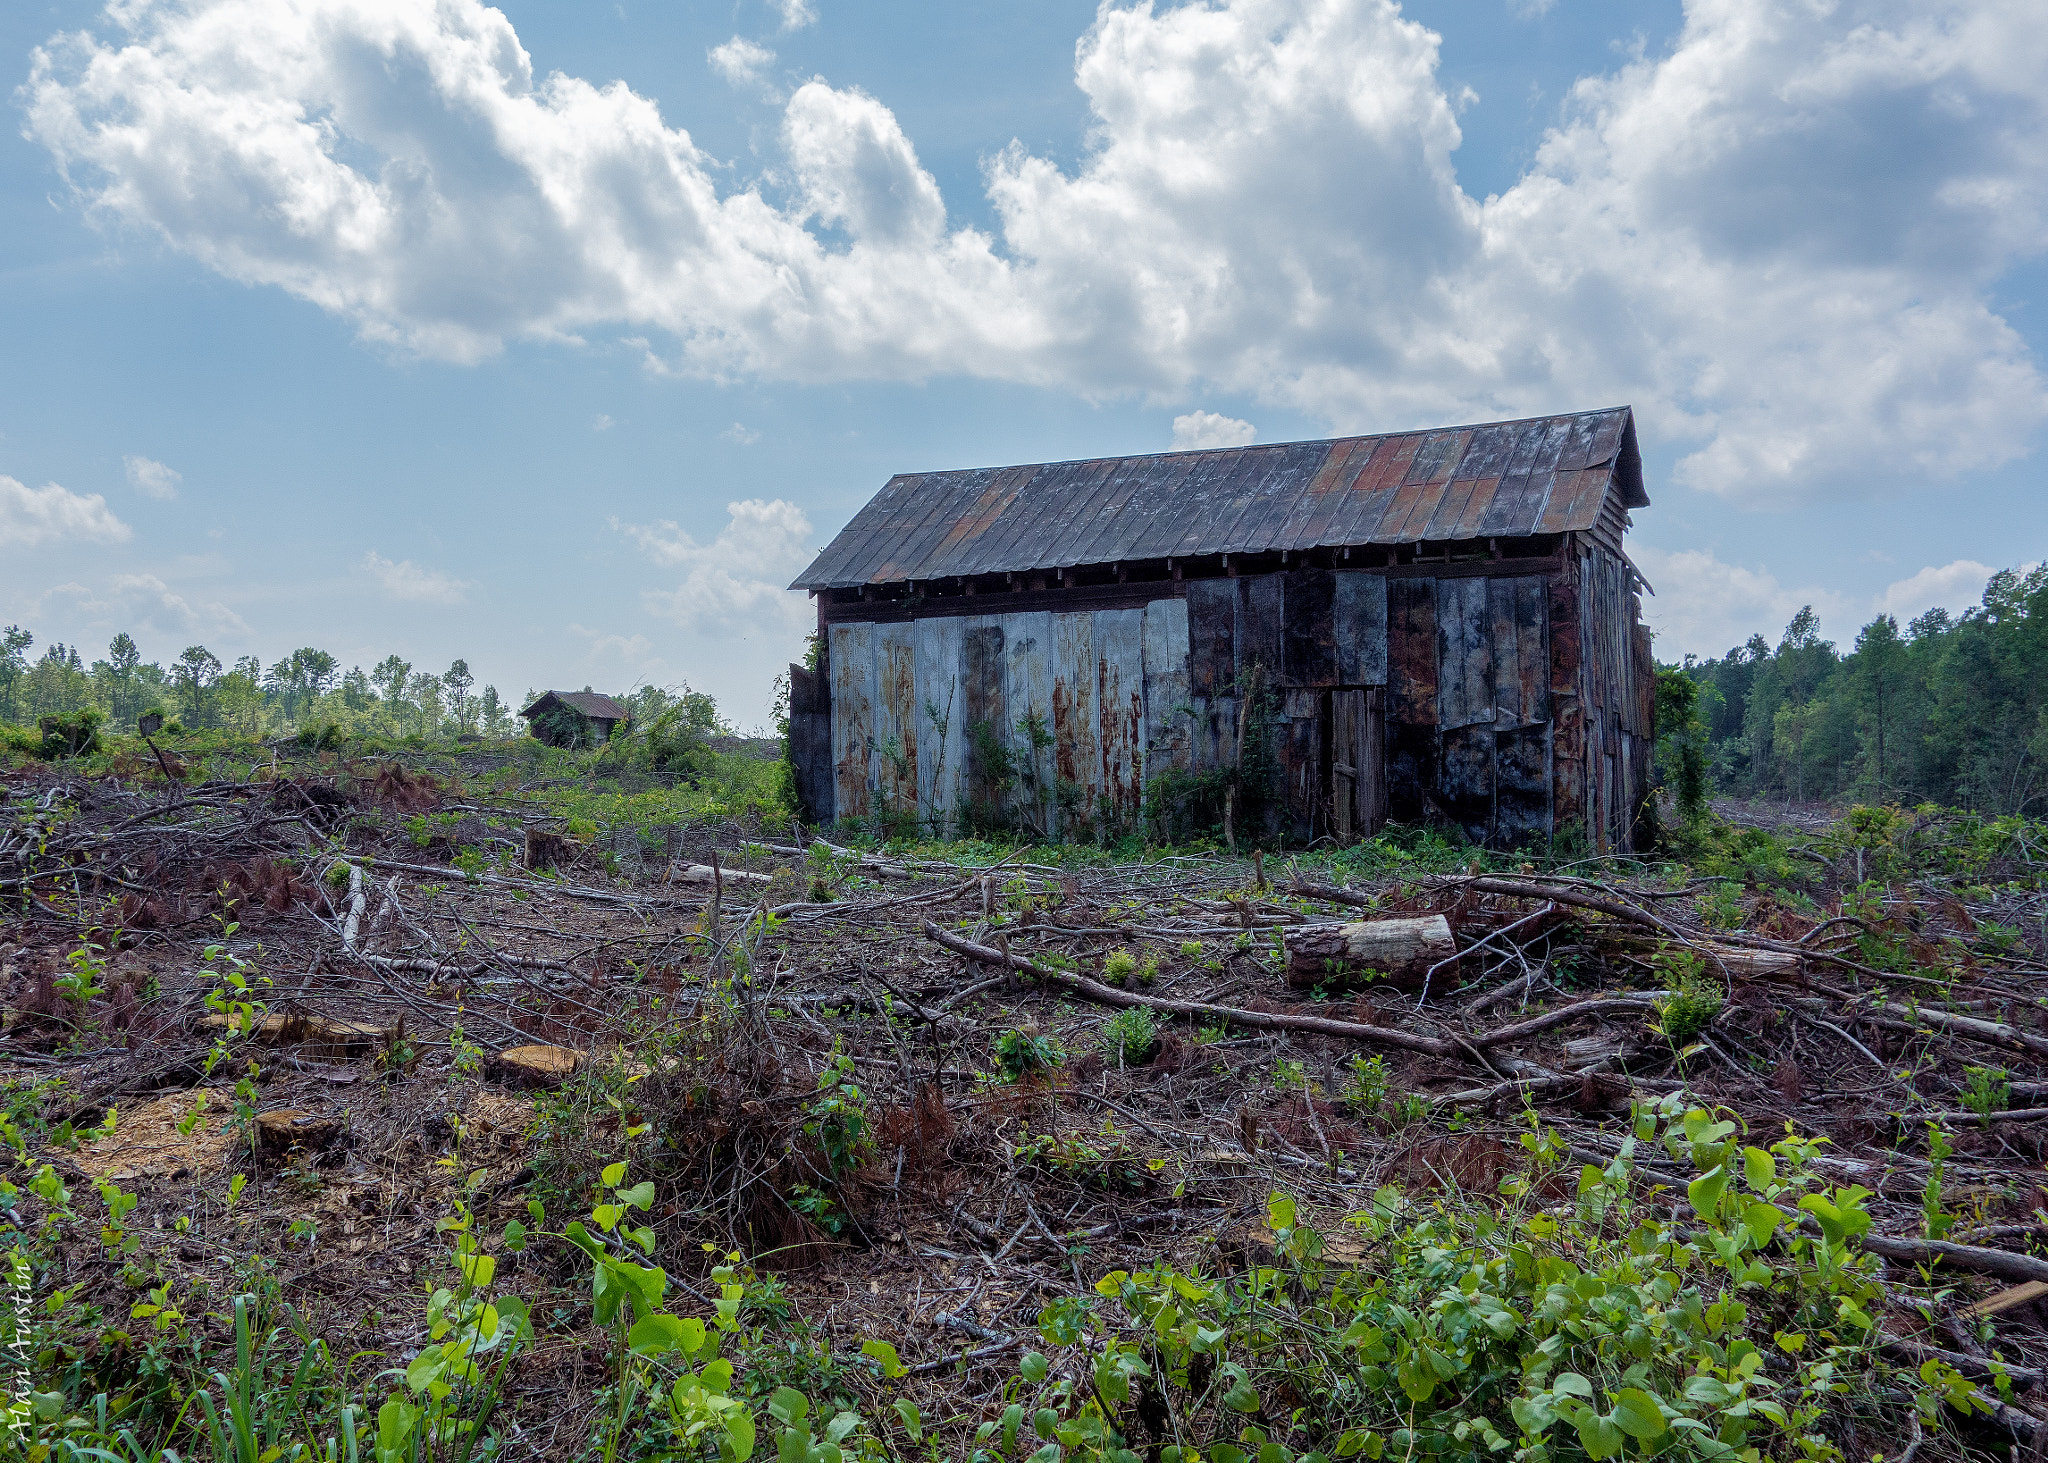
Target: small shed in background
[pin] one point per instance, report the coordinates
(574, 718)
(1425, 626)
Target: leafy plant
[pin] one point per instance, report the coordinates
(1130, 1037)
(1693, 1000)
(1986, 1090)
(1021, 1053)
(838, 1118)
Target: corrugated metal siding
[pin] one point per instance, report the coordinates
(1506, 479)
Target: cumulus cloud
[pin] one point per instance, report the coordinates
(736, 580)
(744, 435)
(409, 581)
(143, 601)
(152, 479)
(740, 61)
(796, 14)
(1953, 587)
(1199, 429)
(1779, 241)
(30, 517)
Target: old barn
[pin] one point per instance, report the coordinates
(1424, 626)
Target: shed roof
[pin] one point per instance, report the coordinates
(592, 704)
(1499, 479)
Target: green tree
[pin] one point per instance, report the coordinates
(1880, 684)
(391, 677)
(457, 680)
(194, 674)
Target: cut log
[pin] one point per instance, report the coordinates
(705, 874)
(1396, 952)
(2005, 1300)
(537, 1066)
(318, 1037)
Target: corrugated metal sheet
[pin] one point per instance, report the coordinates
(1503, 479)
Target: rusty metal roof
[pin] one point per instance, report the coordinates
(1500, 479)
(594, 704)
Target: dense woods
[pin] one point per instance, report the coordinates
(1949, 709)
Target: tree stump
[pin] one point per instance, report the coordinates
(537, 1066)
(1396, 952)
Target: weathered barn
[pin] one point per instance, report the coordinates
(582, 718)
(1424, 626)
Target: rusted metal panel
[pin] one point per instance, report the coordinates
(1506, 653)
(1120, 695)
(985, 701)
(1355, 490)
(896, 722)
(1568, 740)
(1521, 787)
(1449, 512)
(1532, 647)
(1169, 728)
(810, 742)
(1465, 787)
(1361, 618)
(942, 713)
(1308, 633)
(852, 653)
(1027, 689)
(1213, 732)
(1464, 653)
(1212, 637)
(1298, 739)
(1412, 738)
(1260, 614)
(1076, 727)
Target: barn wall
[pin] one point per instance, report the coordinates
(1509, 705)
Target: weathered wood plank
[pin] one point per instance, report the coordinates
(1567, 704)
(1521, 787)
(896, 718)
(941, 713)
(1504, 650)
(1120, 697)
(1532, 649)
(853, 720)
(1308, 636)
(1213, 731)
(1412, 740)
(1465, 789)
(810, 742)
(1361, 623)
(1260, 613)
(1465, 653)
(1028, 694)
(1169, 723)
(1077, 759)
(1298, 738)
(1212, 637)
(983, 696)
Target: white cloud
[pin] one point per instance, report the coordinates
(152, 479)
(740, 61)
(409, 581)
(1199, 429)
(796, 14)
(744, 435)
(602, 423)
(50, 514)
(1530, 9)
(143, 601)
(736, 580)
(1954, 587)
(1779, 241)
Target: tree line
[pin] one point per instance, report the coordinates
(306, 688)
(1952, 709)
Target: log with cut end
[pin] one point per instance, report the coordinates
(1400, 952)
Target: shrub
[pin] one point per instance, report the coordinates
(1131, 1037)
(1021, 1053)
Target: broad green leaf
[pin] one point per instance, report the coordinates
(913, 1421)
(1242, 1396)
(1636, 1413)
(1705, 1191)
(661, 1333)
(639, 1196)
(1280, 1211)
(1759, 1169)
(613, 1172)
(1599, 1436)
(884, 1353)
(788, 1405)
(1033, 1366)
(739, 1429)
(1571, 1384)
(515, 1236)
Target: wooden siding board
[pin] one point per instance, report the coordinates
(1308, 638)
(1168, 729)
(984, 702)
(1077, 759)
(1299, 744)
(896, 718)
(1522, 782)
(1465, 786)
(1120, 697)
(852, 652)
(942, 742)
(1361, 621)
(1506, 648)
(1412, 737)
(1532, 648)
(1465, 653)
(1027, 693)
(1212, 637)
(1259, 616)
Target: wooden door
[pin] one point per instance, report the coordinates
(1358, 781)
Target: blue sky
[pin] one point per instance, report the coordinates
(557, 336)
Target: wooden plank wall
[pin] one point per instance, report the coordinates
(1510, 706)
